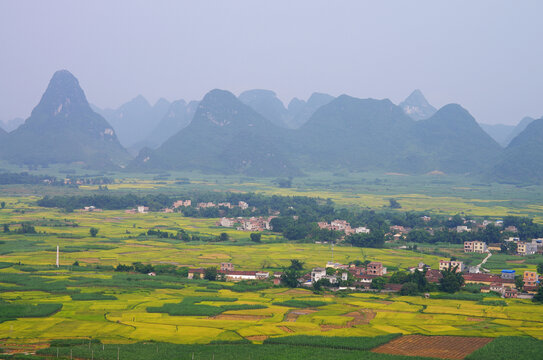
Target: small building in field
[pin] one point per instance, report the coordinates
(376, 268)
(446, 264)
(508, 274)
(226, 266)
(510, 293)
(475, 247)
(142, 209)
(531, 279)
(524, 248)
(317, 274)
(196, 273)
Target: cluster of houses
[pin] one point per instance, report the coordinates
(204, 205)
(247, 224)
(503, 284)
(362, 275)
(342, 225)
(523, 248)
(140, 209)
(90, 209)
(227, 272)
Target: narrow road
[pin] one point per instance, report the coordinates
(483, 262)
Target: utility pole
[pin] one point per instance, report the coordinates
(58, 257)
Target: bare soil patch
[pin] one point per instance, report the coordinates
(257, 337)
(444, 347)
(360, 317)
(292, 315)
(286, 329)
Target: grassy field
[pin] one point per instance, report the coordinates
(92, 301)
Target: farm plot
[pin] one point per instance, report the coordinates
(444, 347)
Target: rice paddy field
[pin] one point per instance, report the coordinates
(40, 304)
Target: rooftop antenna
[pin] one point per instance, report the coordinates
(58, 257)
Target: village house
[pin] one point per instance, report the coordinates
(508, 274)
(511, 228)
(204, 205)
(243, 205)
(344, 226)
(196, 273)
(376, 268)
(433, 275)
(227, 222)
(226, 266)
(246, 275)
(539, 244)
(251, 224)
(143, 209)
(531, 280)
(420, 267)
(277, 278)
(426, 218)
(510, 293)
(494, 247)
(397, 229)
(488, 279)
(524, 248)
(475, 247)
(445, 264)
(317, 274)
(331, 264)
(462, 228)
(184, 203)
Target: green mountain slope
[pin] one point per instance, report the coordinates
(266, 103)
(417, 107)
(518, 129)
(454, 142)
(63, 129)
(225, 136)
(136, 119)
(522, 160)
(178, 116)
(299, 111)
(359, 134)
(499, 132)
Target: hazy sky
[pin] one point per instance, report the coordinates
(485, 55)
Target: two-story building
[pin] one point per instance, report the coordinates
(446, 264)
(524, 248)
(475, 247)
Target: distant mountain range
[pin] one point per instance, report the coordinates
(522, 159)
(63, 129)
(417, 107)
(135, 120)
(254, 134)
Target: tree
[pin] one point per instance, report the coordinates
(3, 204)
(451, 281)
(538, 297)
(6, 228)
(210, 273)
(292, 273)
(540, 268)
(394, 204)
(519, 282)
(224, 237)
(378, 283)
(143, 268)
(76, 263)
(296, 264)
(256, 237)
(93, 231)
(409, 289)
